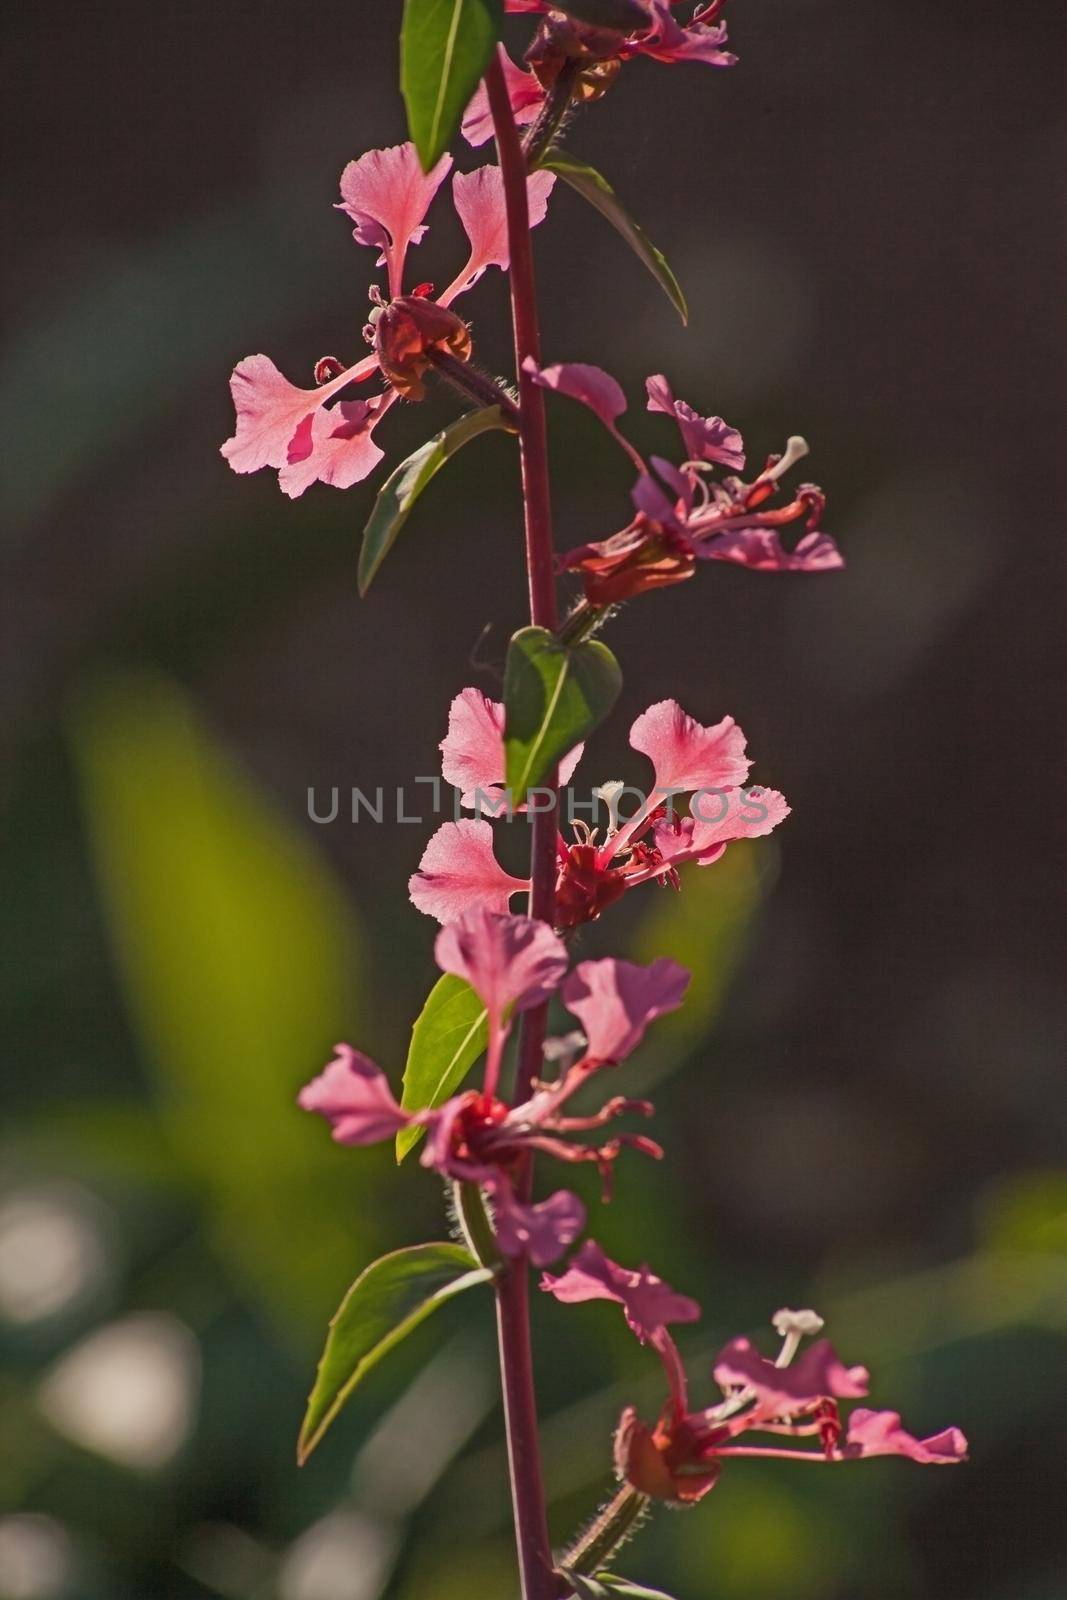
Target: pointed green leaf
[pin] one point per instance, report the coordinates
(598, 191)
(623, 15)
(449, 1035)
(444, 49)
(554, 695)
(610, 1585)
(386, 1303)
(403, 487)
(584, 1587)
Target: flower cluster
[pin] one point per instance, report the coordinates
(680, 1457)
(459, 869)
(513, 963)
(585, 59)
(386, 195)
(683, 515)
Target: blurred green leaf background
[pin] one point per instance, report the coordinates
(863, 1100)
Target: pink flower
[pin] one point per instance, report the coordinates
(879, 1433)
(648, 1303)
(524, 91)
(599, 51)
(509, 962)
(683, 516)
(540, 1232)
(681, 1456)
(387, 195)
(512, 963)
(704, 438)
(472, 751)
(459, 873)
(354, 1096)
(459, 870)
(616, 1000)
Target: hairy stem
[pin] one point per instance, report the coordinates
(611, 1527)
(513, 1285)
(538, 140)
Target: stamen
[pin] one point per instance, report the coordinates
(796, 449)
(792, 1327)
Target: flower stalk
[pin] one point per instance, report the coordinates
(513, 1286)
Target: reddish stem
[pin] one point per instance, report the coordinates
(513, 1312)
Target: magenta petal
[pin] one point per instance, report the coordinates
(817, 1374)
(879, 1433)
(704, 438)
(739, 814)
(616, 1000)
(669, 41)
(334, 446)
(592, 386)
(648, 1302)
(762, 550)
(543, 1231)
(687, 755)
(479, 201)
(472, 751)
(459, 873)
(269, 410)
(355, 1097)
(387, 194)
(507, 960)
(524, 91)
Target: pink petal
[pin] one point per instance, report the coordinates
(704, 438)
(817, 1374)
(687, 755)
(648, 1302)
(592, 386)
(507, 960)
(762, 550)
(668, 41)
(479, 201)
(543, 1231)
(472, 751)
(387, 194)
(879, 1433)
(525, 93)
(270, 410)
(334, 446)
(616, 1000)
(355, 1097)
(723, 818)
(459, 873)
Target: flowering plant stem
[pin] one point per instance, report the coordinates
(513, 1311)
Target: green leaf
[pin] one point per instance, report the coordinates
(598, 191)
(584, 1587)
(554, 695)
(444, 49)
(625, 16)
(387, 1302)
(449, 1035)
(237, 952)
(403, 487)
(634, 1591)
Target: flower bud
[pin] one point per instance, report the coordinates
(407, 331)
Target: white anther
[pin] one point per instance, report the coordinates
(795, 450)
(806, 1323)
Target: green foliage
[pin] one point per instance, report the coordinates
(449, 1035)
(387, 1302)
(236, 954)
(404, 486)
(445, 47)
(598, 191)
(554, 695)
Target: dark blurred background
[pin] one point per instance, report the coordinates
(870, 1115)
